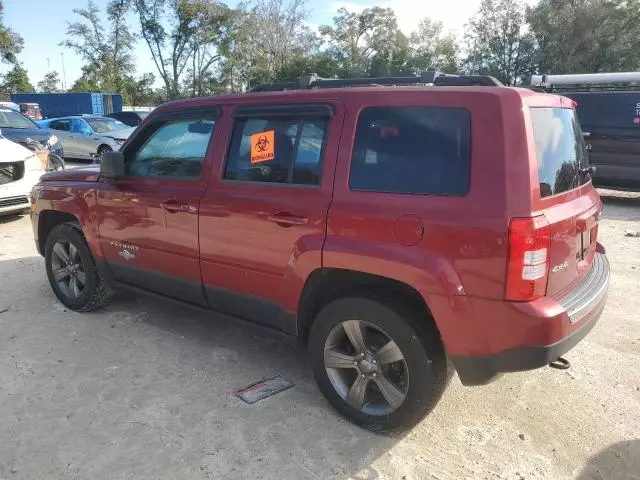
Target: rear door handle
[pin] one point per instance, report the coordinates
(286, 219)
(173, 206)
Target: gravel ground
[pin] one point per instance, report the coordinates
(144, 390)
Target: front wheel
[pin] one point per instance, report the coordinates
(379, 364)
(97, 158)
(72, 272)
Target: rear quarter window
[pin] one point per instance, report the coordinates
(560, 150)
(414, 150)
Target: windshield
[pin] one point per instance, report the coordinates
(560, 148)
(103, 125)
(15, 120)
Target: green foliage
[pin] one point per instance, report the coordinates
(204, 47)
(108, 50)
(50, 83)
(16, 80)
(586, 36)
(10, 42)
(500, 43)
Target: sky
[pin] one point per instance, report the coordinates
(43, 23)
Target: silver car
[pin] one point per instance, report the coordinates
(88, 135)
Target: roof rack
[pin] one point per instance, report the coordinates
(430, 77)
(587, 81)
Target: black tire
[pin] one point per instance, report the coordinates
(419, 342)
(95, 293)
(102, 150)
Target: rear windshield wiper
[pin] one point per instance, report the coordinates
(590, 170)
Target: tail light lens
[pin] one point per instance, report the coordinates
(528, 263)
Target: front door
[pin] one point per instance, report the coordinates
(263, 219)
(149, 219)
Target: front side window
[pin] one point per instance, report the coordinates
(175, 149)
(277, 150)
(415, 150)
(79, 126)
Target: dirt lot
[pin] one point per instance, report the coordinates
(144, 390)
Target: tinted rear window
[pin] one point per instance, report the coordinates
(560, 150)
(421, 150)
(607, 109)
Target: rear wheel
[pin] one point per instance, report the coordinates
(72, 272)
(381, 365)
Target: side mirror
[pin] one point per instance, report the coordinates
(86, 132)
(112, 165)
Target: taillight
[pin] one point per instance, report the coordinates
(528, 263)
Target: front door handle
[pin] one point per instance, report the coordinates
(173, 206)
(286, 219)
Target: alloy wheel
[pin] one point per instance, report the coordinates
(68, 269)
(366, 367)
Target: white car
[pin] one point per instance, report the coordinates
(20, 170)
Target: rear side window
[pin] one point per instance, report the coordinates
(419, 150)
(277, 150)
(60, 125)
(560, 150)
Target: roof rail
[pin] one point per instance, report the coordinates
(430, 77)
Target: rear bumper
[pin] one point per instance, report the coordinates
(577, 310)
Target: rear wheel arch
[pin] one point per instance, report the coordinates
(324, 285)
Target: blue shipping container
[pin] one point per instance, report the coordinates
(63, 104)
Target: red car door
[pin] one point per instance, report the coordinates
(263, 217)
(148, 220)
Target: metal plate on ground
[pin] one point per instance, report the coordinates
(263, 388)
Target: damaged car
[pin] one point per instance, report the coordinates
(20, 170)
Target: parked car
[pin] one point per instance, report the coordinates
(608, 107)
(391, 228)
(20, 170)
(88, 136)
(31, 110)
(131, 118)
(21, 129)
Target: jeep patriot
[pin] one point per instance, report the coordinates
(397, 226)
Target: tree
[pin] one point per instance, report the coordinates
(355, 38)
(10, 42)
(16, 80)
(108, 50)
(139, 92)
(431, 47)
(89, 81)
(500, 44)
(585, 36)
(50, 83)
(266, 41)
(213, 27)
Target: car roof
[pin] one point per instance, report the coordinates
(346, 94)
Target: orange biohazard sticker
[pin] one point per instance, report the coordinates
(262, 147)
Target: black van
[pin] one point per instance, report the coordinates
(610, 121)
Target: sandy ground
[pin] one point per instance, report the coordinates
(144, 390)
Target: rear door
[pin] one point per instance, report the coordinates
(62, 128)
(263, 217)
(567, 198)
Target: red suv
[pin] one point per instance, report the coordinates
(392, 228)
